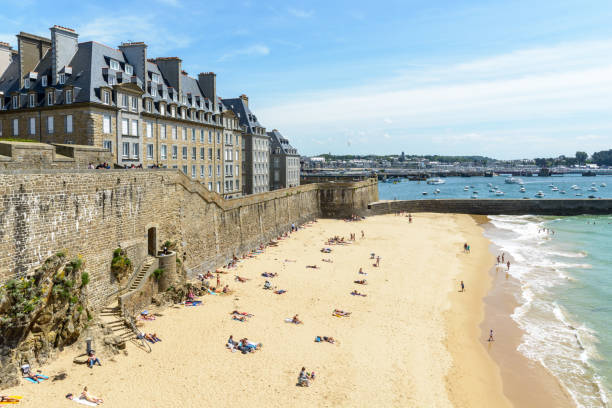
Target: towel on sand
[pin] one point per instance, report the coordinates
(85, 402)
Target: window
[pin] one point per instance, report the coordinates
(153, 91)
(193, 171)
(237, 172)
(50, 124)
(68, 96)
(26, 83)
(149, 151)
(62, 79)
(108, 144)
(210, 136)
(218, 154)
(184, 152)
(185, 169)
(106, 97)
(15, 127)
(129, 69)
(218, 170)
(0, 128)
(201, 171)
(134, 103)
(31, 100)
(218, 186)
(201, 153)
(125, 124)
(237, 155)
(162, 131)
(155, 78)
(126, 149)
(193, 153)
(174, 151)
(162, 109)
(32, 126)
(135, 150)
(185, 133)
(218, 137)
(237, 184)
(193, 135)
(148, 106)
(201, 135)
(209, 154)
(111, 80)
(106, 124)
(173, 132)
(164, 152)
(124, 100)
(172, 111)
(149, 130)
(183, 113)
(15, 102)
(43, 81)
(68, 123)
(50, 98)
(114, 65)
(210, 170)
(134, 127)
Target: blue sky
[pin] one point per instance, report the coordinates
(508, 79)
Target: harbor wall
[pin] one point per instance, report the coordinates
(559, 207)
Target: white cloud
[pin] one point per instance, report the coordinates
(301, 13)
(253, 50)
(526, 88)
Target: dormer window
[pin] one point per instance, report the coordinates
(62, 79)
(153, 91)
(111, 80)
(114, 65)
(69, 96)
(106, 97)
(184, 100)
(50, 98)
(44, 81)
(183, 113)
(129, 69)
(31, 100)
(15, 102)
(26, 83)
(155, 78)
(162, 109)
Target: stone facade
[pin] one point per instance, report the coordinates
(91, 213)
(31, 155)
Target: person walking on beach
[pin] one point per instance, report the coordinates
(503, 253)
(508, 265)
(491, 335)
(378, 261)
(462, 287)
(465, 247)
(362, 234)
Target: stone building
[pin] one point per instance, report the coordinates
(255, 147)
(284, 162)
(145, 111)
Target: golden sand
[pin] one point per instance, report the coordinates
(413, 341)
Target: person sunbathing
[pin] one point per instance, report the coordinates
(280, 291)
(25, 370)
(152, 337)
(296, 320)
(341, 312)
(239, 318)
(269, 274)
(312, 266)
(146, 316)
(355, 293)
(241, 279)
(6, 398)
(88, 397)
(242, 313)
(361, 282)
(327, 260)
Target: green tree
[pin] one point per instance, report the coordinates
(581, 157)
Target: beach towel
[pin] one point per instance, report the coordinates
(44, 377)
(12, 402)
(193, 303)
(211, 292)
(85, 402)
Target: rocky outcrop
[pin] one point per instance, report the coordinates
(41, 313)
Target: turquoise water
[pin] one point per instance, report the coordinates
(564, 266)
(453, 187)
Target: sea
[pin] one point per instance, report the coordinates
(564, 268)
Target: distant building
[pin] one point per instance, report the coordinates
(284, 162)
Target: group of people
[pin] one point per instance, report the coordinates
(244, 345)
(501, 260)
(104, 165)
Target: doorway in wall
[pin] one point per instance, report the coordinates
(152, 234)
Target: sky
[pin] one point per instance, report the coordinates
(504, 79)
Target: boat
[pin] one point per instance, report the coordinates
(579, 195)
(437, 191)
(490, 184)
(492, 190)
(554, 189)
(499, 193)
(435, 180)
(589, 173)
(424, 193)
(593, 188)
(513, 180)
(522, 190)
(466, 188)
(603, 185)
(539, 194)
(592, 196)
(562, 192)
(575, 187)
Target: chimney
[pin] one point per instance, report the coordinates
(170, 67)
(136, 55)
(32, 49)
(64, 44)
(6, 56)
(245, 99)
(208, 85)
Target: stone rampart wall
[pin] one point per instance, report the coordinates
(92, 212)
(496, 206)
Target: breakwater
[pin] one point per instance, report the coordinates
(558, 207)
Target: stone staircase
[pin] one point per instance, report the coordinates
(140, 276)
(112, 318)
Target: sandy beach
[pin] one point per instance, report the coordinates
(414, 341)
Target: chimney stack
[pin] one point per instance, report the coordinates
(64, 44)
(208, 85)
(170, 67)
(245, 99)
(136, 55)
(32, 49)
(6, 56)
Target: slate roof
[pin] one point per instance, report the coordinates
(246, 117)
(278, 141)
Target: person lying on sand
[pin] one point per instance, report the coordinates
(152, 337)
(327, 260)
(242, 313)
(361, 272)
(27, 373)
(269, 274)
(240, 279)
(280, 291)
(319, 339)
(239, 318)
(6, 398)
(296, 320)
(290, 260)
(326, 250)
(312, 266)
(361, 282)
(144, 315)
(341, 312)
(355, 293)
(88, 397)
